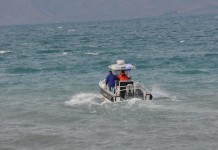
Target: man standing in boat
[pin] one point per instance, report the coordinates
(110, 80)
(122, 76)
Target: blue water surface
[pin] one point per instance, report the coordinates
(50, 97)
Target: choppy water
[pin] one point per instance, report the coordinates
(49, 78)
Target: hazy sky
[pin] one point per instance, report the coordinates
(48, 11)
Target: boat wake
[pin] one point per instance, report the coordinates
(85, 99)
(92, 100)
(159, 93)
(138, 103)
(95, 99)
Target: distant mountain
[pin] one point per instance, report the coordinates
(50, 11)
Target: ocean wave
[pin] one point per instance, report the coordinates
(194, 71)
(19, 70)
(95, 54)
(71, 30)
(64, 53)
(4, 52)
(48, 51)
(214, 55)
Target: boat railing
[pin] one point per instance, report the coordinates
(136, 85)
(123, 85)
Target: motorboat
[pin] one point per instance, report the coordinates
(124, 90)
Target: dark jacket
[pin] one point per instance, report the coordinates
(110, 80)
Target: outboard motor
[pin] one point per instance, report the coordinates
(148, 97)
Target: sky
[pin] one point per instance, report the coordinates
(52, 11)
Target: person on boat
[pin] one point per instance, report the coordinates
(110, 80)
(122, 76)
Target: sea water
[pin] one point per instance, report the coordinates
(49, 94)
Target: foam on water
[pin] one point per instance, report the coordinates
(92, 99)
(138, 103)
(85, 99)
(71, 30)
(65, 53)
(90, 53)
(159, 93)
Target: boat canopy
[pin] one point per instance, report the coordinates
(121, 65)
